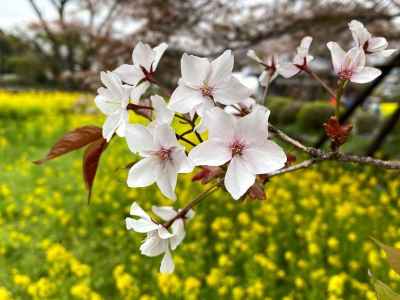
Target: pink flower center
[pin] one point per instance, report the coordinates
(164, 154)
(237, 148)
(206, 91)
(345, 74)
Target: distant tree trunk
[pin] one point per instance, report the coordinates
(384, 132)
(386, 70)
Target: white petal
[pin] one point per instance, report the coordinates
(337, 55)
(367, 74)
(158, 53)
(190, 214)
(143, 55)
(181, 162)
(265, 79)
(238, 179)
(139, 138)
(194, 70)
(221, 68)
(184, 99)
(153, 245)
(136, 210)
(220, 124)
(107, 105)
(359, 32)
(305, 44)
(252, 54)
(265, 158)
(140, 225)
(144, 172)
(162, 114)
(164, 212)
(288, 70)
(178, 229)
(254, 126)
(113, 83)
(386, 53)
(137, 91)
(129, 73)
(376, 44)
(110, 125)
(166, 180)
(164, 135)
(354, 60)
(167, 264)
(123, 123)
(231, 92)
(163, 233)
(210, 153)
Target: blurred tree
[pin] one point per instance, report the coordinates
(90, 35)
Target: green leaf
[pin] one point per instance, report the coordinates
(383, 292)
(393, 255)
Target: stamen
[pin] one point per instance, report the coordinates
(164, 154)
(237, 148)
(206, 91)
(345, 74)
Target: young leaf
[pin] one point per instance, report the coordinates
(336, 132)
(393, 255)
(383, 292)
(91, 160)
(73, 140)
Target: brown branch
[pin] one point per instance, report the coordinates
(303, 165)
(319, 155)
(182, 213)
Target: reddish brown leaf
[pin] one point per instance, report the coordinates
(256, 191)
(207, 174)
(290, 159)
(73, 140)
(91, 160)
(336, 132)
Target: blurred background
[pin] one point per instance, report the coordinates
(308, 240)
(64, 44)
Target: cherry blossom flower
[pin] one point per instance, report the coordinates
(145, 62)
(243, 144)
(271, 65)
(351, 65)
(300, 61)
(163, 157)
(205, 83)
(373, 46)
(244, 107)
(159, 240)
(112, 101)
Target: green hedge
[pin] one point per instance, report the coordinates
(314, 114)
(366, 122)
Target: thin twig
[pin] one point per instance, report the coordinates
(323, 84)
(319, 155)
(182, 213)
(179, 137)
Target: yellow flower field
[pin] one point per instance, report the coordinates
(308, 240)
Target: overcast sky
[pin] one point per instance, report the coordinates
(18, 13)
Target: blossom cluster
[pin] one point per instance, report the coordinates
(209, 98)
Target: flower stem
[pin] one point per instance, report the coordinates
(265, 93)
(339, 92)
(323, 84)
(182, 213)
